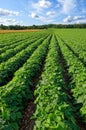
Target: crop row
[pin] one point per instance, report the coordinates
(17, 92)
(53, 111)
(76, 40)
(13, 45)
(8, 39)
(78, 74)
(7, 36)
(2, 50)
(14, 39)
(76, 49)
(11, 52)
(16, 43)
(10, 66)
(59, 104)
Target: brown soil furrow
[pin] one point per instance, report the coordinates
(27, 122)
(75, 54)
(71, 99)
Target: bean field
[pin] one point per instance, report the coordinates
(43, 80)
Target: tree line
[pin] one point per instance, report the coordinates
(19, 27)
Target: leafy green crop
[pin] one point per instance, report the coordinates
(16, 93)
(77, 71)
(22, 56)
(52, 109)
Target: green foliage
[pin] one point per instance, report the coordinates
(11, 52)
(52, 109)
(8, 68)
(17, 92)
(18, 27)
(76, 66)
(23, 55)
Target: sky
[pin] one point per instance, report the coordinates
(39, 12)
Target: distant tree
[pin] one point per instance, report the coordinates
(19, 27)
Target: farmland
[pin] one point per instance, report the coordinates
(43, 80)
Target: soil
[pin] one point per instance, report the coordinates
(67, 79)
(27, 122)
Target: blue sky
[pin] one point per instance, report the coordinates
(29, 12)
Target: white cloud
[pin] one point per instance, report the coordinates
(47, 18)
(42, 18)
(67, 19)
(34, 15)
(50, 13)
(75, 19)
(81, 21)
(41, 4)
(67, 5)
(42, 11)
(4, 12)
(5, 21)
(78, 17)
(44, 3)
